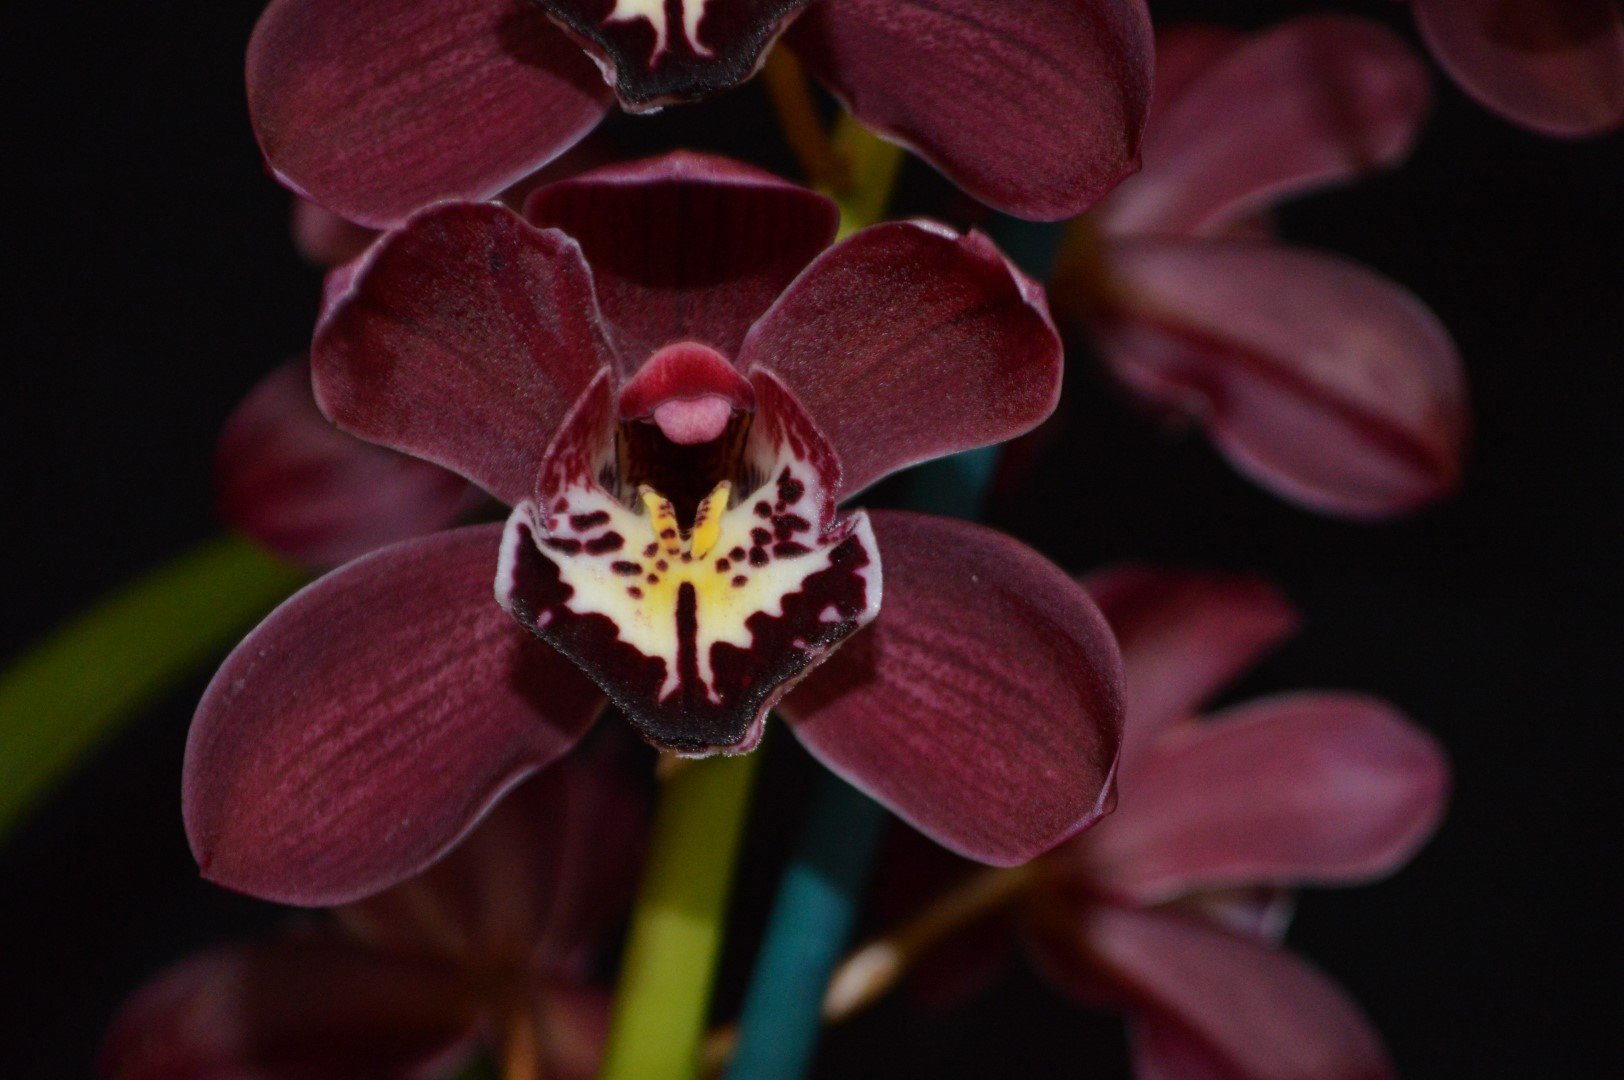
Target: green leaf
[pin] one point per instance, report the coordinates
(68, 693)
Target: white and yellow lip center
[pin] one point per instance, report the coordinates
(631, 564)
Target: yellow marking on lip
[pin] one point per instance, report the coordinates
(708, 521)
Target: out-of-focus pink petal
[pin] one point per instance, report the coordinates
(909, 341)
(324, 238)
(1184, 635)
(306, 490)
(1314, 102)
(548, 869)
(1302, 788)
(366, 725)
(374, 108)
(652, 59)
(1555, 66)
(1323, 381)
(686, 246)
(464, 338)
(1183, 54)
(983, 706)
(1240, 1008)
(1262, 911)
(312, 1009)
(1035, 108)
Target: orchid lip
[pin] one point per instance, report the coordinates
(695, 582)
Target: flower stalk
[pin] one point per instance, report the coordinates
(69, 693)
(680, 918)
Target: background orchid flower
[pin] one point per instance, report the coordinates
(365, 106)
(1319, 379)
(673, 378)
(1172, 909)
(315, 495)
(493, 947)
(1553, 66)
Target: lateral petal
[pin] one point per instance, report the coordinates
(463, 338)
(907, 342)
(1556, 67)
(1310, 788)
(1319, 379)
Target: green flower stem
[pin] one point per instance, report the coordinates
(679, 922)
(70, 692)
(874, 167)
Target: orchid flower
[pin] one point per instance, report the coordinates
(1316, 377)
(1553, 66)
(365, 107)
(674, 380)
(493, 947)
(311, 493)
(1172, 909)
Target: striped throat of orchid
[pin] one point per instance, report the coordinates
(684, 549)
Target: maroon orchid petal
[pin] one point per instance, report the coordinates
(1324, 382)
(694, 631)
(464, 338)
(984, 706)
(1035, 108)
(1555, 66)
(686, 247)
(654, 52)
(1306, 788)
(366, 106)
(1184, 53)
(1235, 1006)
(319, 1009)
(1184, 635)
(1314, 102)
(306, 490)
(909, 341)
(324, 238)
(547, 871)
(365, 726)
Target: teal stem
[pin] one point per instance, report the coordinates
(821, 892)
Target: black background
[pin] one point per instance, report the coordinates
(151, 284)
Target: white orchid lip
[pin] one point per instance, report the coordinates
(694, 581)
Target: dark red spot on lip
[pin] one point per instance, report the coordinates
(668, 534)
(561, 506)
(790, 550)
(739, 580)
(626, 569)
(563, 545)
(764, 509)
(789, 488)
(723, 566)
(687, 556)
(650, 551)
(761, 536)
(634, 592)
(787, 525)
(583, 522)
(737, 554)
(758, 557)
(654, 579)
(603, 545)
(662, 565)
